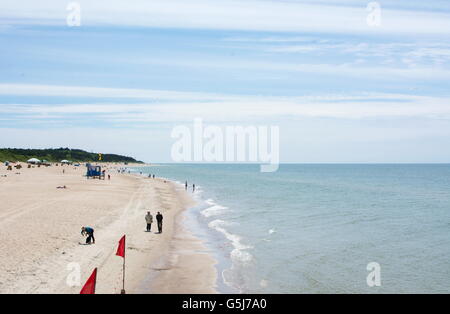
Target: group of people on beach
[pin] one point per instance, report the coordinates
(88, 232)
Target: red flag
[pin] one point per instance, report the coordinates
(121, 248)
(89, 286)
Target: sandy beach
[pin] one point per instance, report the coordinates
(42, 249)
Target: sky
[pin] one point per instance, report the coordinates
(341, 86)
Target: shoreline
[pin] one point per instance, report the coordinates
(204, 239)
(51, 256)
(187, 263)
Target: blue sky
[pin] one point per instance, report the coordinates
(339, 89)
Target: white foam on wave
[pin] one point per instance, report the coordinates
(213, 209)
(198, 192)
(239, 253)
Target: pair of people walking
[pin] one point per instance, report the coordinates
(159, 220)
(186, 187)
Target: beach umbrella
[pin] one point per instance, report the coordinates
(65, 161)
(33, 161)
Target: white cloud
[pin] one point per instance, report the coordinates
(228, 14)
(409, 53)
(369, 71)
(177, 106)
(84, 91)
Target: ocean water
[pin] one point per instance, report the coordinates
(315, 228)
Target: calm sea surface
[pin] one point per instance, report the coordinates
(315, 228)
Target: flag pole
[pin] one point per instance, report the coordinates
(123, 276)
(121, 252)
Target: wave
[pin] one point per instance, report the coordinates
(239, 253)
(213, 209)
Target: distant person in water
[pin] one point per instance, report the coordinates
(193, 188)
(149, 220)
(89, 232)
(159, 219)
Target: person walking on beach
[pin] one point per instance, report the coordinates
(149, 220)
(89, 232)
(159, 219)
(186, 186)
(193, 188)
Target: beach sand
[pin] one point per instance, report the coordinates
(41, 246)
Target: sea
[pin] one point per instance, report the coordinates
(322, 228)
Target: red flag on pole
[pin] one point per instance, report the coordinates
(121, 252)
(89, 286)
(121, 248)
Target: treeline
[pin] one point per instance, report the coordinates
(58, 154)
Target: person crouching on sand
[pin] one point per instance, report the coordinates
(89, 232)
(149, 220)
(159, 219)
